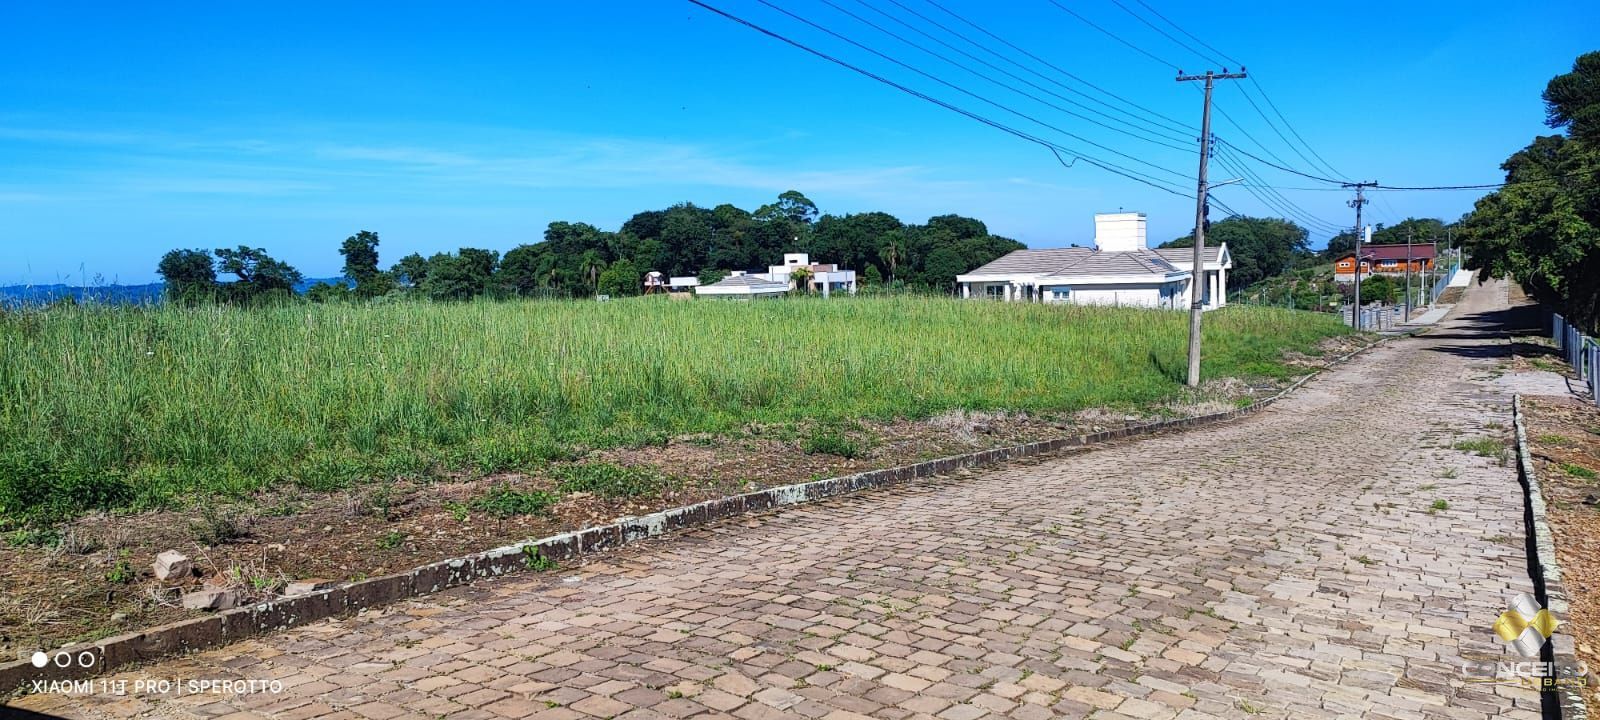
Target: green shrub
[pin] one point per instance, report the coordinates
(505, 501)
(391, 540)
(608, 480)
(1579, 471)
(832, 442)
(1484, 447)
(34, 490)
(536, 561)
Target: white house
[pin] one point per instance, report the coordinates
(1119, 270)
(825, 278)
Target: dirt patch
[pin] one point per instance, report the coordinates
(1564, 440)
(93, 577)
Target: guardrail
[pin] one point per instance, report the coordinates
(1581, 352)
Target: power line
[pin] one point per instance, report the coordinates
(963, 90)
(1242, 90)
(1246, 133)
(1166, 35)
(1481, 186)
(1177, 125)
(1290, 170)
(1490, 186)
(1257, 183)
(1191, 35)
(1134, 133)
(1276, 201)
(1275, 129)
(1237, 125)
(1052, 146)
(1264, 96)
(1115, 36)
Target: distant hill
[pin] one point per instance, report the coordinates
(147, 294)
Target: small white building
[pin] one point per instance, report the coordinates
(682, 283)
(825, 278)
(1119, 270)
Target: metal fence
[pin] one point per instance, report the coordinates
(1581, 352)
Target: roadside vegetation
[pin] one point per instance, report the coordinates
(1541, 227)
(126, 408)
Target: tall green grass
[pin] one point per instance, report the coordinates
(135, 407)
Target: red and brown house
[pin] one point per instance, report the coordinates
(1383, 260)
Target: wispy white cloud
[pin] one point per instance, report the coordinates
(157, 163)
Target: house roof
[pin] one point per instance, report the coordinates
(1041, 262)
(1131, 263)
(1086, 261)
(1210, 254)
(1392, 252)
(749, 281)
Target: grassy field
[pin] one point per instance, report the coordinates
(104, 407)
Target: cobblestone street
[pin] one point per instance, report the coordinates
(1333, 556)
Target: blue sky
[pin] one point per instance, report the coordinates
(128, 129)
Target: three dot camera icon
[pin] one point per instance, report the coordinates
(64, 659)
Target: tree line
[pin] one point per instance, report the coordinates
(1266, 248)
(1543, 227)
(578, 259)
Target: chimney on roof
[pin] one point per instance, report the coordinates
(1119, 232)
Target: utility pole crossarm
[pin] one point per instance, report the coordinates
(1224, 75)
(1197, 272)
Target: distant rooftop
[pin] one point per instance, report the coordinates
(1078, 260)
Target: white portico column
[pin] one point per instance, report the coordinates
(966, 290)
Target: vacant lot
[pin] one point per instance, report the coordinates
(348, 441)
(127, 407)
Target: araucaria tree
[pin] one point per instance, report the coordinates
(1543, 227)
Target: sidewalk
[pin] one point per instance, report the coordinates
(1430, 317)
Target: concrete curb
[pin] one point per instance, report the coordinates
(1546, 571)
(91, 659)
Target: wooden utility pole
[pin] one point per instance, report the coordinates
(1355, 304)
(1197, 274)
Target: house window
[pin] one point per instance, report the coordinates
(1389, 263)
(995, 292)
(1060, 294)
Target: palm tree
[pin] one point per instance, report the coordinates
(802, 279)
(891, 253)
(591, 264)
